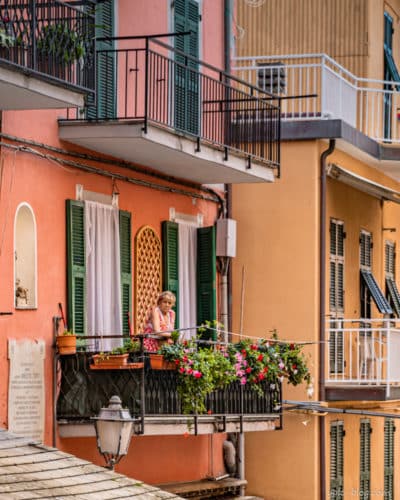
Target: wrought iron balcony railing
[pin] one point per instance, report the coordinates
(149, 393)
(50, 39)
(144, 80)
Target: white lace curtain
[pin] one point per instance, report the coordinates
(103, 283)
(187, 278)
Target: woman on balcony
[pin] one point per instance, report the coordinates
(161, 321)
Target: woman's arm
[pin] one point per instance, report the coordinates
(155, 319)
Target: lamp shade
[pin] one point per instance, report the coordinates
(113, 429)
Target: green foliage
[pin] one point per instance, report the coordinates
(200, 372)
(67, 332)
(253, 362)
(59, 41)
(6, 40)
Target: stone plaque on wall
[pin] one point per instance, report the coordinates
(26, 404)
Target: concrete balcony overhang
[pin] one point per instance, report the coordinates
(166, 151)
(22, 89)
(162, 426)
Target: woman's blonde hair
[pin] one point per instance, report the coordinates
(166, 295)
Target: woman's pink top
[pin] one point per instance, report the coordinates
(166, 324)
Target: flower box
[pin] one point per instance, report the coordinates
(157, 362)
(110, 361)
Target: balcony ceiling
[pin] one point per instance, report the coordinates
(20, 90)
(164, 150)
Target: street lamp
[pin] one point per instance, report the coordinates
(113, 431)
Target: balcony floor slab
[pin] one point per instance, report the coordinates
(20, 90)
(156, 426)
(164, 150)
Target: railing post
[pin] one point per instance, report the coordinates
(146, 86)
(33, 34)
(323, 84)
(388, 350)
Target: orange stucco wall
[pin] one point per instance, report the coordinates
(45, 185)
(160, 459)
(278, 251)
(278, 256)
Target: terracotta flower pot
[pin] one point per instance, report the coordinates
(110, 360)
(66, 344)
(157, 362)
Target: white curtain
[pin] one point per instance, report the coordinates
(187, 252)
(103, 283)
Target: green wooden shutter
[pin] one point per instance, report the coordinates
(186, 18)
(76, 272)
(336, 460)
(126, 268)
(365, 459)
(106, 64)
(206, 276)
(389, 459)
(170, 237)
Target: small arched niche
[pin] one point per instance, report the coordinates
(25, 279)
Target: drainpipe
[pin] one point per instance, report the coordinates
(228, 10)
(322, 280)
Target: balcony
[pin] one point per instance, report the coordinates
(362, 360)
(152, 398)
(331, 103)
(175, 114)
(46, 54)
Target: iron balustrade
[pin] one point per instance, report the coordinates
(145, 80)
(50, 39)
(82, 392)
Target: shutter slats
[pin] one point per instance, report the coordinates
(125, 237)
(336, 460)
(76, 273)
(170, 236)
(376, 293)
(206, 275)
(389, 459)
(186, 18)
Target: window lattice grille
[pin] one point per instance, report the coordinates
(148, 274)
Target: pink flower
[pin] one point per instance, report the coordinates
(243, 380)
(181, 370)
(197, 374)
(281, 365)
(189, 371)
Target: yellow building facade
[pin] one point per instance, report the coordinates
(316, 253)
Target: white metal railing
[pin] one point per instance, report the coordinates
(363, 351)
(371, 106)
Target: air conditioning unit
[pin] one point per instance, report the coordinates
(271, 77)
(226, 238)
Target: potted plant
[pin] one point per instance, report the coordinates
(111, 359)
(58, 46)
(66, 342)
(157, 360)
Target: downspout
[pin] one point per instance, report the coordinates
(240, 442)
(322, 294)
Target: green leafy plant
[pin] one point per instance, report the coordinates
(6, 40)
(58, 40)
(202, 370)
(67, 332)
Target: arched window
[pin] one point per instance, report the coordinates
(25, 275)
